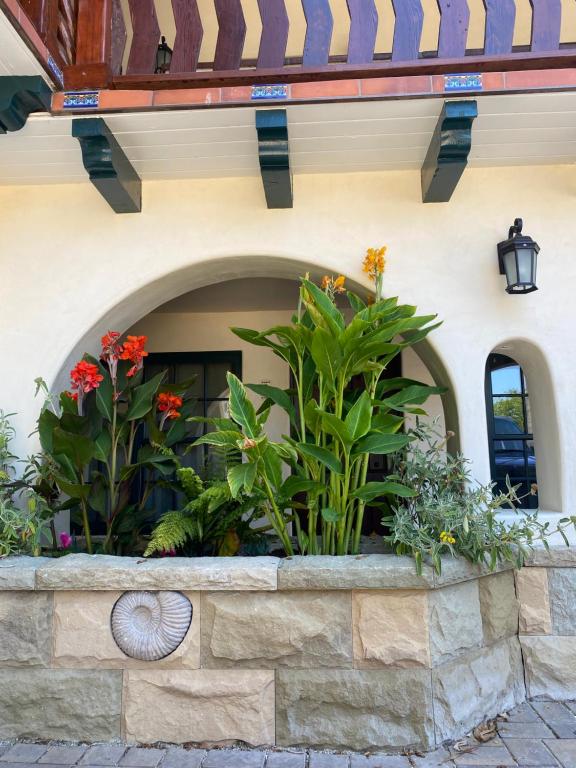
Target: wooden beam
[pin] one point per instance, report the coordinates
(448, 153)
(93, 63)
(274, 155)
(110, 171)
(19, 97)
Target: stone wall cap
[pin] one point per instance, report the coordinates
(352, 572)
(19, 573)
(557, 557)
(104, 572)
(239, 574)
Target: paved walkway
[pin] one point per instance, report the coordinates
(541, 734)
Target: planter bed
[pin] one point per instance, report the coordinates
(342, 652)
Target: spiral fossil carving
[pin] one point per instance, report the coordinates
(150, 625)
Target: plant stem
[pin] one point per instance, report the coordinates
(86, 526)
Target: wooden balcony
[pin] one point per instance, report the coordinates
(113, 43)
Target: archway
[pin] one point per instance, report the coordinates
(547, 447)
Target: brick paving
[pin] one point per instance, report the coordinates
(539, 734)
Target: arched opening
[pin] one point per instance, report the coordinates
(524, 442)
(187, 318)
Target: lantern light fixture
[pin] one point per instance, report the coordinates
(163, 58)
(518, 260)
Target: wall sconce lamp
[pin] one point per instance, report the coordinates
(518, 260)
(163, 58)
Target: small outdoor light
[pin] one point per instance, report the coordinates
(518, 259)
(163, 57)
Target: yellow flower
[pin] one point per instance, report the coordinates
(339, 284)
(375, 262)
(331, 285)
(447, 538)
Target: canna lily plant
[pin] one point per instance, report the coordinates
(109, 439)
(335, 424)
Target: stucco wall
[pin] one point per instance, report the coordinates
(70, 269)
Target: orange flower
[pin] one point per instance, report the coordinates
(85, 377)
(333, 285)
(168, 405)
(110, 344)
(133, 350)
(339, 284)
(375, 262)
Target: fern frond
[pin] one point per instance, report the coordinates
(192, 485)
(174, 529)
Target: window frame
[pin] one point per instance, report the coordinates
(494, 436)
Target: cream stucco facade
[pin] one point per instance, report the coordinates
(72, 269)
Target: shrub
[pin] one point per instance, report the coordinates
(449, 514)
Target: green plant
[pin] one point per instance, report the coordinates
(23, 527)
(211, 523)
(109, 440)
(451, 515)
(334, 426)
(7, 458)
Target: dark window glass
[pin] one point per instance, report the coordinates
(510, 429)
(210, 394)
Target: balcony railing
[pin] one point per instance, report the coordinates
(89, 37)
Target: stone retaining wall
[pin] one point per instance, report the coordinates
(339, 652)
(547, 594)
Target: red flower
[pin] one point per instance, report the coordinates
(85, 377)
(110, 346)
(72, 395)
(133, 350)
(168, 404)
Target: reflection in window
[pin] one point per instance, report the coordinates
(510, 428)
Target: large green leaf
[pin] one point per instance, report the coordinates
(241, 409)
(331, 515)
(380, 443)
(105, 395)
(47, 422)
(277, 396)
(336, 427)
(272, 467)
(241, 477)
(318, 303)
(80, 450)
(73, 490)
(103, 445)
(327, 355)
(323, 455)
(372, 491)
(224, 439)
(143, 397)
(359, 418)
(294, 484)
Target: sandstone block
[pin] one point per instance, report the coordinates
(25, 629)
(558, 557)
(354, 709)
(83, 637)
(479, 684)
(532, 590)
(455, 621)
(498, 607)
(391, 629)
(457, 569)
(103, 572)
(550, 666)
(562, 587)
(348, 572)
(60, 705)
(20, 572)
(201, 706)
(259, 630)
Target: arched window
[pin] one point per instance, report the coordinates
(510, 428)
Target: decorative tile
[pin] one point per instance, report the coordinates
(81, 100)
(463, 83)
(269, 92)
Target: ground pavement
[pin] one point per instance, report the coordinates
(541, 734)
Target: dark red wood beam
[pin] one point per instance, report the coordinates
(565, 59)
